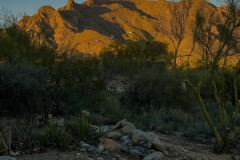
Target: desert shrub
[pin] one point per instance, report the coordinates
(165, 120)
(25, 71)
(55, 136)
(156, 88)
(76, 81)
(79, 127)
(6, 135)
(197, 129)
(27, 137)
(114, 109)
(17, 47)
(174, 120)
(130, 57)
(22, 86)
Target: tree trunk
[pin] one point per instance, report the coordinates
(219, 144)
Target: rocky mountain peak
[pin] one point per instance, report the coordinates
(88, 27)
(70, 5)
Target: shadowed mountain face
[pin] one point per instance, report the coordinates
(92, 25)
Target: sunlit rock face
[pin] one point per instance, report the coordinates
(94, 24)
(70, 5)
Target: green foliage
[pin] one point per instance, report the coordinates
(79, 127)
(5, 138)
(114, 110)
(36, 77)
(27, 136)
(55, 136)
(153, 87)
(76, 81)
(17, 47)
(130, 57)
(22, 87)
(164, 120)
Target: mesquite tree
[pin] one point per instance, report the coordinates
(175, 27)
(216, 36)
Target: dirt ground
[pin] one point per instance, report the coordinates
(178, 148)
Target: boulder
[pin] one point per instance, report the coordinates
(156, 143)
(154, 156)
(7, 158)
(114, 134)
(104, 129)
(84, 144)
(144, 144)
(139, 151)
(139, 135)
(125, 126)
(110, 144)
(100, 149)
(125, 138)
(92, 149)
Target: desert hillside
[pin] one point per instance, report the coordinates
(89, 27)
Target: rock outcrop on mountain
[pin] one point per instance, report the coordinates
(92, 25)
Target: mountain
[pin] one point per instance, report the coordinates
(92, 25)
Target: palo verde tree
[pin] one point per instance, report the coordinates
(216, 36)
(175, 26)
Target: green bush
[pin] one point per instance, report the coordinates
(76, 81)
(17, 47)
(22, 87)
(164, 120)
(79, 127)
(114, 110)
(130, 57)
(27, 137)
(55, 136)
(156, 88)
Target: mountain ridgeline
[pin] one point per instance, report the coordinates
(94, 24)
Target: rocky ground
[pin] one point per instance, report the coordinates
(179, 149)
(124, 142)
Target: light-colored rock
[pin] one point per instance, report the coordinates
(85, 113)
(84, 144)
(91, 149)
(103, 129)
(110, 144)
(145, 144)
(7, 158)
(139, 135)
(154, 156)
(156, 143)
(136, 152)
(83, 150)
(125, 138)
(140, 151)
(105, 152)
(100, 149)
(59, 121)
(114, 134)
(50, 116)
(125, 126)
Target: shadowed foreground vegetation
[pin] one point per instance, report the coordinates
(133, 80)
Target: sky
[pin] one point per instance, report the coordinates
(30, 7)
